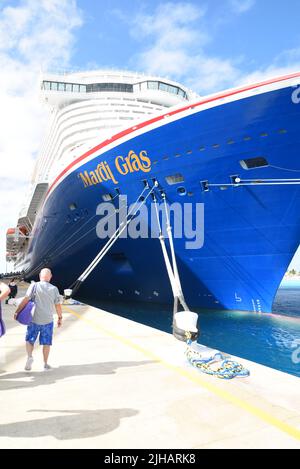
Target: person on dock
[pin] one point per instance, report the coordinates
(13, 290)
(46, 300)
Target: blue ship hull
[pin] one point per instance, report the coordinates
(251, 233)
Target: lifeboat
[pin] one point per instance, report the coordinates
(11, 232)
(23, 230)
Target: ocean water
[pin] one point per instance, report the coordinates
(272, 340)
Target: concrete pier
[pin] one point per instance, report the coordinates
(118, 384)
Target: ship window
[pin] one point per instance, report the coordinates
(231, 142)
(82, 88)
(108, 87)
(54, 85)
(174, 179)
(163, 87)
(264, 134)
(202, 149)
(61, 87)
(173, 89)
(68, 87)
(282, 131)
(46, 85)
(253, 163)
(153, 85)
(247, 138)
(216, 145)
(76, 88)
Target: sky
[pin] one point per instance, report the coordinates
(208, 45)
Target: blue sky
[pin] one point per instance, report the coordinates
(251, 34)
(208, 45)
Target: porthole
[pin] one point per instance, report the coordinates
(181, 191)
(230, 142)
(216, 145)
(264, 134)
(177, 155)
(72, 206)
(202, 149)
(189, 152)
(247, 138)
(282, 131)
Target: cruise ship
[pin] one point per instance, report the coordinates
(112, 134)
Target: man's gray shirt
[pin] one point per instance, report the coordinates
(46, 296)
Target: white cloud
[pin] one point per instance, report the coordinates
(284, 63)
(34, 35)
(177, 36)
(241, 6)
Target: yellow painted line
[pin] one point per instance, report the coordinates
(227, 396)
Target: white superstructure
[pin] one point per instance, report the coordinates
(89, 107)
(85, 109)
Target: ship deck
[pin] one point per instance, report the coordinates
(119, 384)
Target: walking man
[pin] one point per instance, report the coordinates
(46, 301)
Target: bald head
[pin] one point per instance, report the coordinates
(45, 275)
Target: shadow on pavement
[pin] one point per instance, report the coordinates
(43, 378)
(74, 424)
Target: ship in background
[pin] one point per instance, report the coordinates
(237, 152)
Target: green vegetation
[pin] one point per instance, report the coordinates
(293, 273)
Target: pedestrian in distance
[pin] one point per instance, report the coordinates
(13, 290)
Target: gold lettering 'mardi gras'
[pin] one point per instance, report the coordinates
(123, 165)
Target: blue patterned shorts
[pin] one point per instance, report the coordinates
(44, 330)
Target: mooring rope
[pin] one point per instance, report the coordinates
(215, 365)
